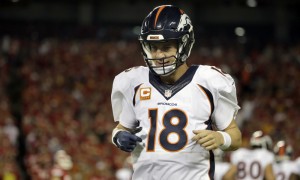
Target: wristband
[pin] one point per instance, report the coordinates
(227, 140)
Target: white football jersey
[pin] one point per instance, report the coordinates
(284, 169)
(251, 164)
(297, 171)
(168, 114)
(221, 169)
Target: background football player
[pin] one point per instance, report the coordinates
(255, 162)
(283, 166)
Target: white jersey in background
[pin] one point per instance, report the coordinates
(251, 163)
(297, 171)
(284, 169)
(168, 114)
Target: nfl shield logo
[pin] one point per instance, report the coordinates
(168, 93)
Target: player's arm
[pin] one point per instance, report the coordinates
(231, 173)
(269, 173)
(120, 127)
(235, 135)
(125, 138)
(225, 109)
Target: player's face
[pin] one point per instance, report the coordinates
(163, 53)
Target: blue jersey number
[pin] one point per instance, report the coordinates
(170, 126)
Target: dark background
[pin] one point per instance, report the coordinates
(270, 19)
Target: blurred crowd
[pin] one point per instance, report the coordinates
(65, 98)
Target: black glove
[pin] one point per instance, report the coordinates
(126, 141)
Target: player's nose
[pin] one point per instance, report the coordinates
(158, 53)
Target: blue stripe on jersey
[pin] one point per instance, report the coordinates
(209, 124)
(210, 98)
(211, 171)
(135, 91)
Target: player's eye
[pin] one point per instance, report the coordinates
(166, 48)
(163, 48)
(153, 48)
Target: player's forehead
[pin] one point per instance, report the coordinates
(163, 43)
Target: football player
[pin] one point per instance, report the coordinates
(253, 163)
(283, 166)
(166, 110)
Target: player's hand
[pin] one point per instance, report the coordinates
(208, 139)
(127, 141)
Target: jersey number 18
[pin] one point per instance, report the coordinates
(169, 127)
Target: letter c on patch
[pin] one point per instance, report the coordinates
(145, 93)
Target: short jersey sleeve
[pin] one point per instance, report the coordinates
(222, 87)
(120, 100)
(226, 104)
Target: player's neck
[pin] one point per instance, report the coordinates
(172, 78)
